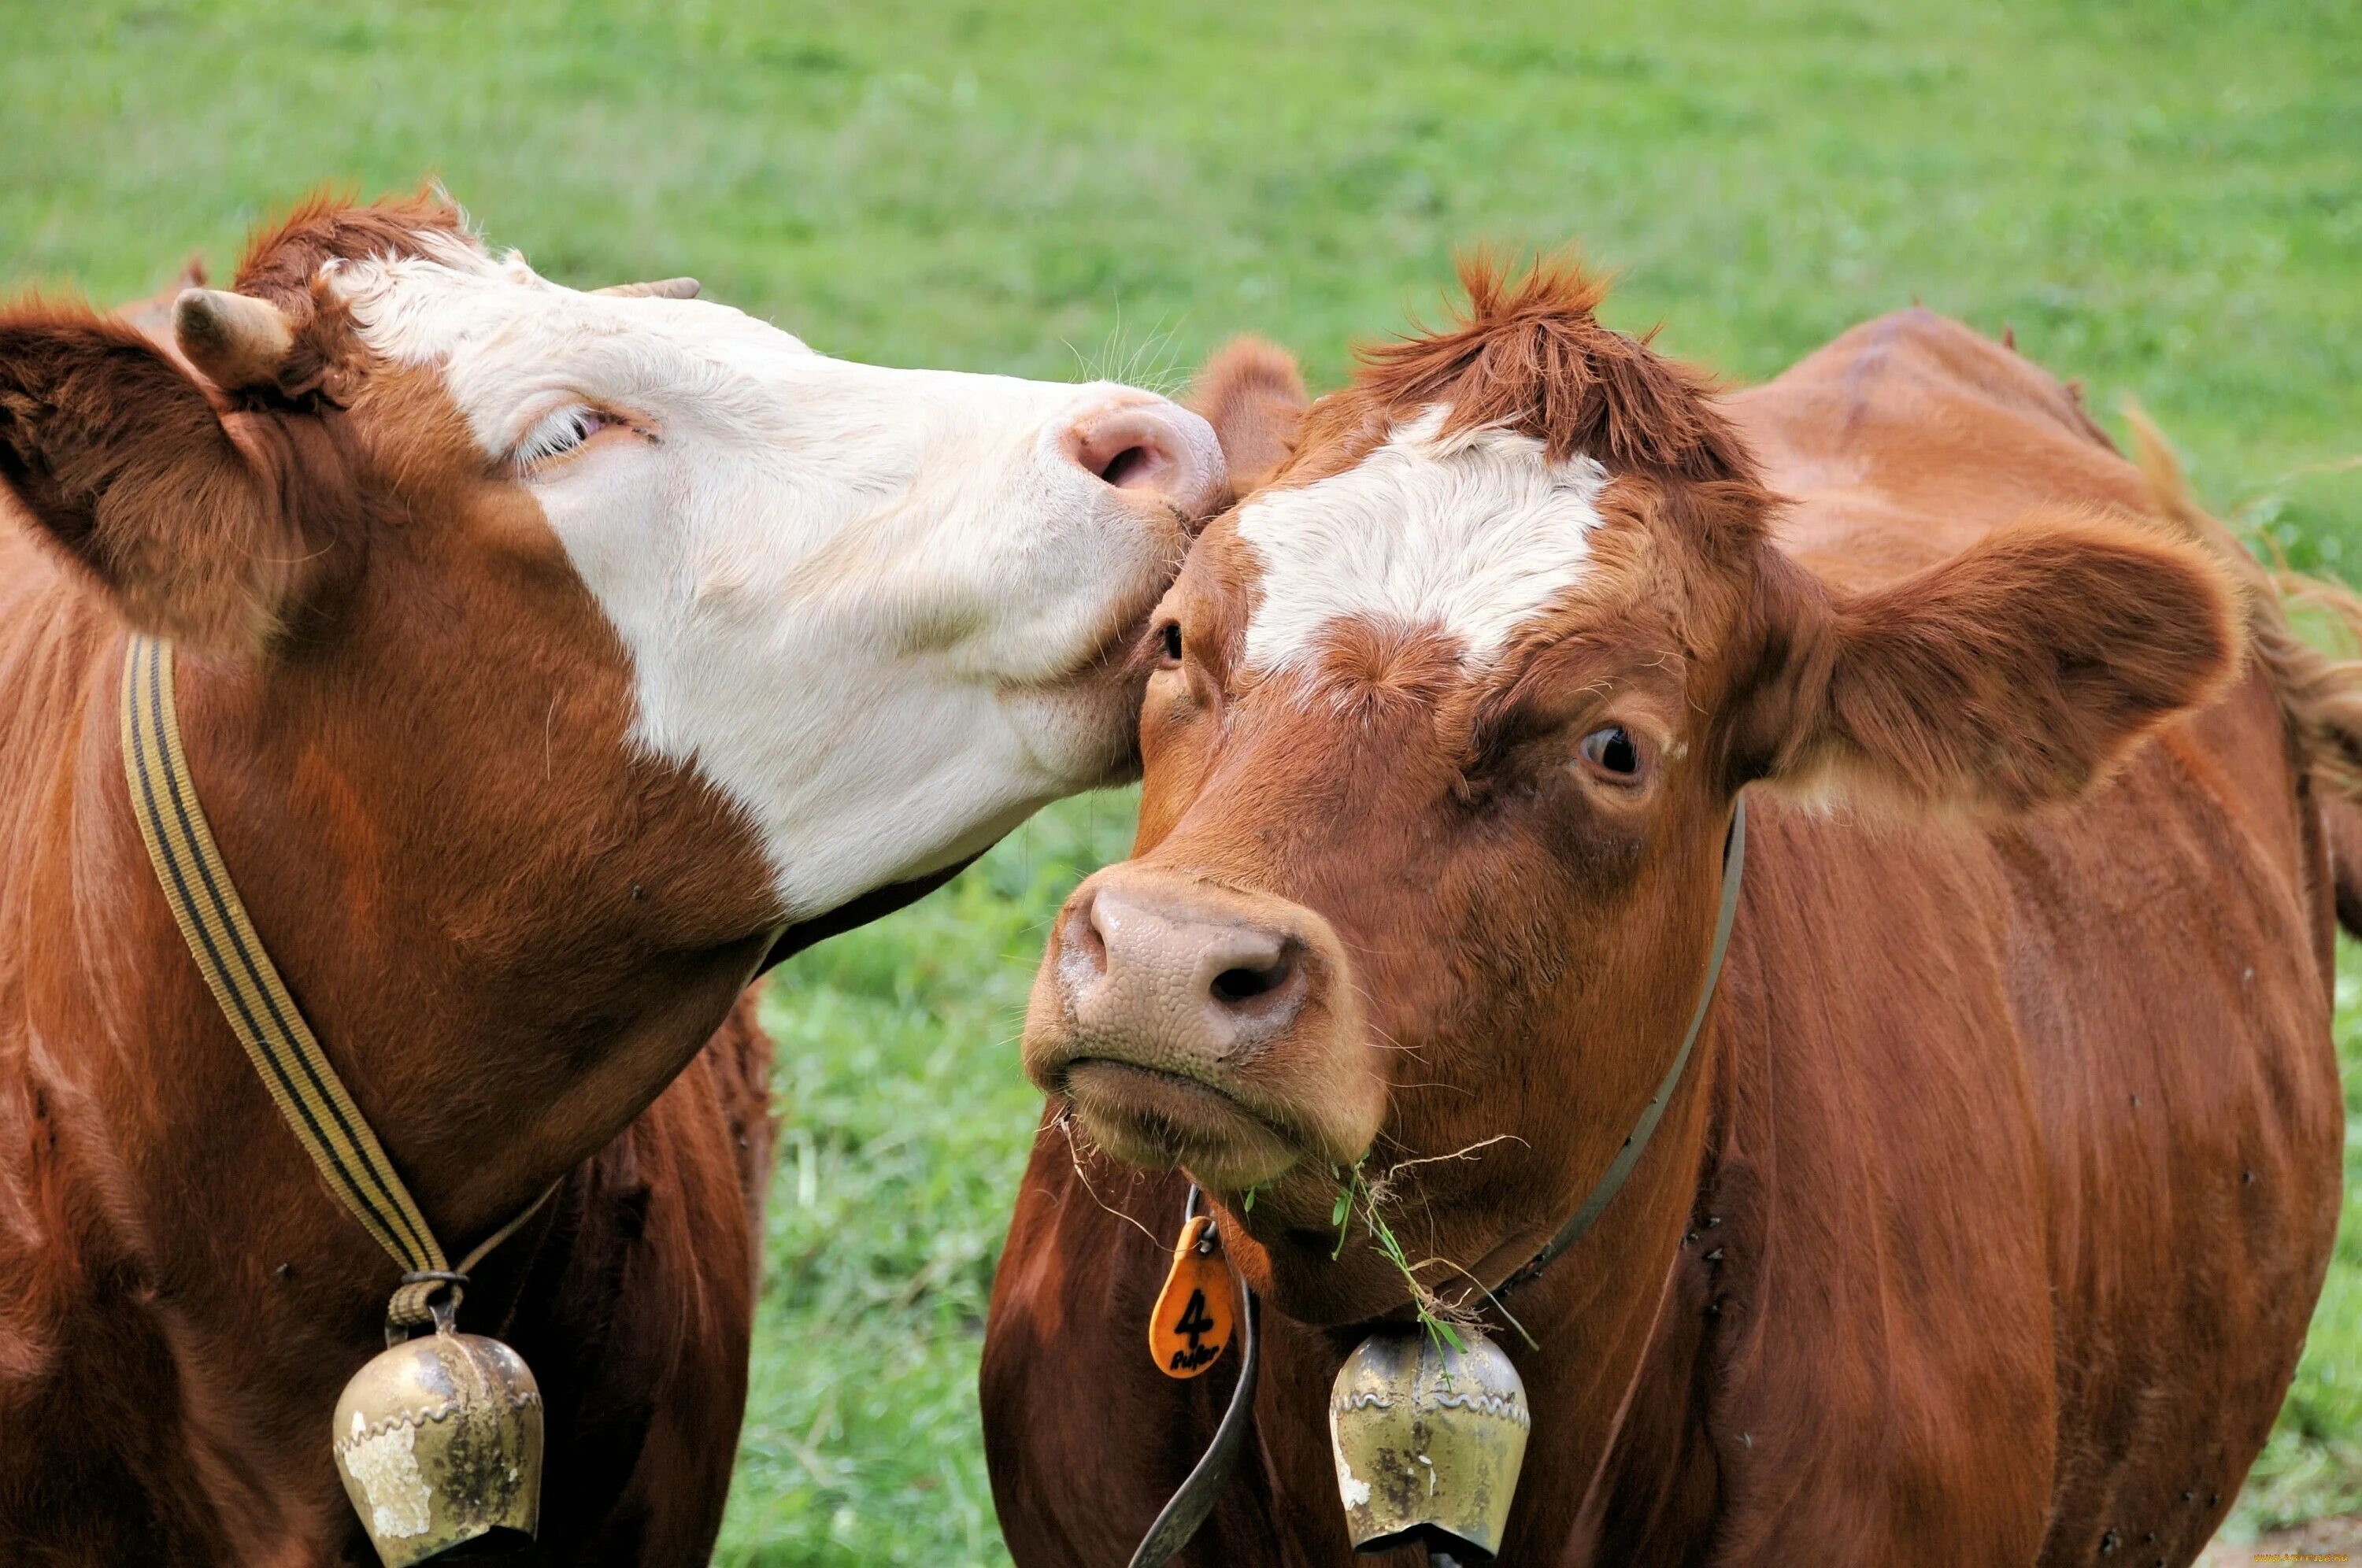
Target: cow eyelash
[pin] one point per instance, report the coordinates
(555, 435)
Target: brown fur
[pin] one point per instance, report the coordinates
(1986, 1222)
(509, 943)
(1252, 392)
(1531, 355)
(134, 476)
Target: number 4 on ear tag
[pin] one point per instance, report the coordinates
(1195, 1312)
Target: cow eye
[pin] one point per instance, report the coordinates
(1612, 751)
(554, 436)
(1168, 646)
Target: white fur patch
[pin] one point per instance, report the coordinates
(851, 594)
(1474, 535)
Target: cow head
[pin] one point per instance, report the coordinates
(1445, 733)
(552, 551)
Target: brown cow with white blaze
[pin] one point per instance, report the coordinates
(1987, 1219)
(547, 661)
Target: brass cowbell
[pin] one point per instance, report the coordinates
(1427, 1441)
(439, 1440)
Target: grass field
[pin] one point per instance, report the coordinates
(2164, 199)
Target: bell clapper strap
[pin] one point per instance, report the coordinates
(1188, 1509)
(285, 1054)
(1189, 1506)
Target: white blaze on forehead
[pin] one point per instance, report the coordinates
(1476, 535)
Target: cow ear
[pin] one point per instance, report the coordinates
(122, 462)
(1253, 394)
(2013, 675)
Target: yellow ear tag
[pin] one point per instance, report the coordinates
(1195, 1312)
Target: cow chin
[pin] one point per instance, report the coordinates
(1083, 724)
(1084, 730)
(1157, 1119)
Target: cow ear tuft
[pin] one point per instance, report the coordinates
(2014, 675)
(1253, 394)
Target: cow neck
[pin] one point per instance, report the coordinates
(1636, 1144)
(482, 1076)
(312, 1099)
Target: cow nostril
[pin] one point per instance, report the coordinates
(1132, 466)
(1243, 983)
(1152, 452)
(1085, 942)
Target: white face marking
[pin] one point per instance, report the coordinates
(860, 601)
(1474, 535)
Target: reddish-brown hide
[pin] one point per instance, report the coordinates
(179, 1299)
(513, 930)
(1987, 1221)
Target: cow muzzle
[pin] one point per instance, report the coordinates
(1192, 1024)
(1152, 452)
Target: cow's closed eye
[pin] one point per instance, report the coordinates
(555, 435)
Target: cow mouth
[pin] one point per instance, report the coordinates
(1091, 704)
(1157, 1119)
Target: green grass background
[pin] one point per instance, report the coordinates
(2165, 199)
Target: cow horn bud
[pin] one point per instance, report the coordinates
(236, 339)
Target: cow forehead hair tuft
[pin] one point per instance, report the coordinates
(1530, 355)
(282, 262)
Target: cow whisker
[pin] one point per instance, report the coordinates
(1065, 1122)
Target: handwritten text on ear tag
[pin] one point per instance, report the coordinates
(1195, 1312)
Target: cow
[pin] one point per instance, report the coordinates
(548, 662)
(1986, 1220)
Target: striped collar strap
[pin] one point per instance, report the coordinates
(213, 920)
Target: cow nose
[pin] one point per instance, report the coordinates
(1188, 1022)
(1156, 976)
(1152, 450)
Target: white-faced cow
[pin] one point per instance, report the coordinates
(546, 661)
(1985, 1222)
